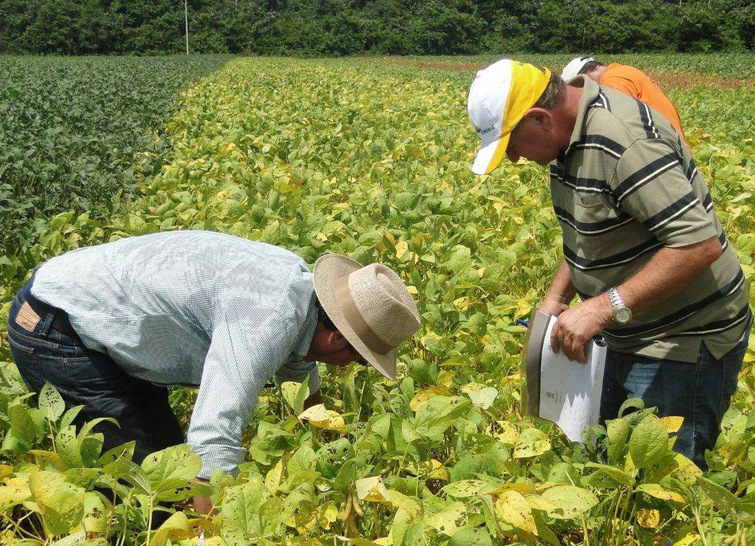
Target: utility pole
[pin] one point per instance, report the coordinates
(186, 23)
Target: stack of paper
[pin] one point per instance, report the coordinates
(558, 389)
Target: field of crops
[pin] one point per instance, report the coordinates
(368, 157)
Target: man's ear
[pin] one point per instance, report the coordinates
(541, 117)
(334, 336)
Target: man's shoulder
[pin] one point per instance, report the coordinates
(625, 119)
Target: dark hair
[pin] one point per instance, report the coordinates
(553, 95)
(589, 67)
(323, 317)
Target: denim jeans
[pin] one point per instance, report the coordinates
(700, 392)
(91, 379)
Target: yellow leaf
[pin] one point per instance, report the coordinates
(658, 492)
(372, 489)
(425, 395)
(401, 248)
(15, 491)
(672, 424)
(691, 538)
(434, 469)
(512, 508)
(273, 477)
(5, 471)
(509, 434)
(327, 515)
(648, 518)
(46, 459)
(446, 378)
(321, 417)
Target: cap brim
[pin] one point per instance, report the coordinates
(326, 270)
(490, 155)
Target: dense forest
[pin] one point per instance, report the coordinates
(344, 27)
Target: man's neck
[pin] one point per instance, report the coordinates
(565, 114)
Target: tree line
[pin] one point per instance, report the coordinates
(345, 27)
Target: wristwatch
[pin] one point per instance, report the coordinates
(621, 313)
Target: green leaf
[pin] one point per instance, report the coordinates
(531, 443)
(480, 395)
(51, 402)
(246, 514)
(435, 416)
(23, 426)
(723, 499)
(295, 394)
(616, 474)
(471, 537)
(131, 472)
(60, 503)
(464, 488)
(67, 446)
(573, 501)
(618, 432)
(95, 519)
(450, 520)
(171, 471)
(649, 442)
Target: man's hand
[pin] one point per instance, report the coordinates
(202, 504)
(578, 325)
(553, 307)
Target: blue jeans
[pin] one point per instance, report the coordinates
(700, 392)
(91, 379)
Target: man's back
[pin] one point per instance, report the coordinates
(152, 302)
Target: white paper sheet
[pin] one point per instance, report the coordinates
(570, 391)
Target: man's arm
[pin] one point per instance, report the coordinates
(560, 293)
(666, 274)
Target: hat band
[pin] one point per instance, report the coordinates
(355, 319)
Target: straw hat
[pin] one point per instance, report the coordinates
(369, 305)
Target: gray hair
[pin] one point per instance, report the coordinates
(554, 93)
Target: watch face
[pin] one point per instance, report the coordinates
(623, 315)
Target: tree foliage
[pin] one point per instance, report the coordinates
(344, 27)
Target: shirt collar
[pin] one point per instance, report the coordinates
(590, 92)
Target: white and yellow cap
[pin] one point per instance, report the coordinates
(499, 97)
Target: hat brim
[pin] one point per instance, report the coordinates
(326, 270)
(490, 155)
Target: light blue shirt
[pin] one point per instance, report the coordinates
(193, 308)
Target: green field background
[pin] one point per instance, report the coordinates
(370, 157)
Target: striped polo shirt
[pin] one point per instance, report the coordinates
(624, 188)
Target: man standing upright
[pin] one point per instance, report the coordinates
(642, 244)
(629, 81)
